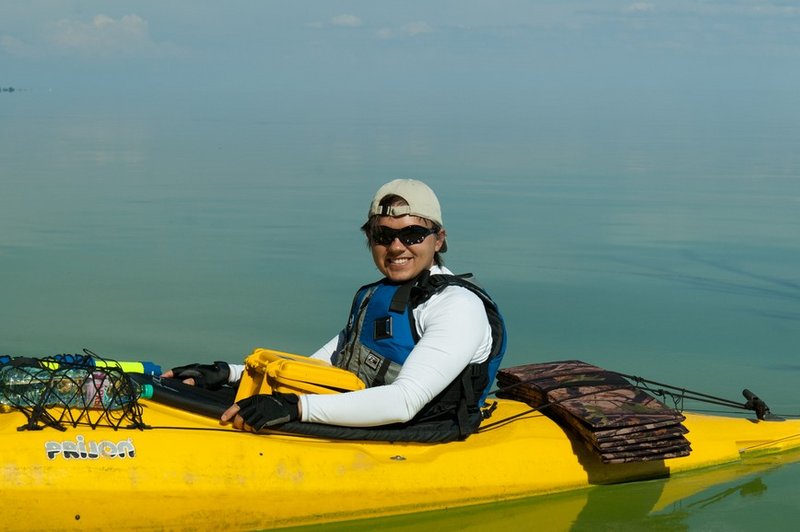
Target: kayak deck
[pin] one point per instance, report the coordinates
(188, 472)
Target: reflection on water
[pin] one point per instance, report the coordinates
(692, 501)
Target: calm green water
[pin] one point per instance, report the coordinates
(760, 497)
(654, 234)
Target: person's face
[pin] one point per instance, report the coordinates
(401, 262)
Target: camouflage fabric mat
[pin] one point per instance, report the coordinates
(655, 435)
(616, 419)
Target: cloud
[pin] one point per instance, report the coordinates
(106, 36)
(417, 28)
(13, 46)
(344, 20)
(348, 21)
(408, 30)
(640, 7)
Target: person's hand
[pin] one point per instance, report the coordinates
(259, 411)
(210, 376)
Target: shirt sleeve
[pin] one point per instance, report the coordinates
(454, 331)
(332, 347)
(235, 373)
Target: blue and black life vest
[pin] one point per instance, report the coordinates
(381, 333)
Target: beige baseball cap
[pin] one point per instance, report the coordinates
(421, 200)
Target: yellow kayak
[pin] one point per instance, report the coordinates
(187, 471)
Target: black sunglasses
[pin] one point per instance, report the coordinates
(410, 235)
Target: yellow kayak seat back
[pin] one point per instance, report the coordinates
(267, 371)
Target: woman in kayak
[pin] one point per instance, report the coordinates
(426, 343)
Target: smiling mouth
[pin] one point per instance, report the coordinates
(400, 260)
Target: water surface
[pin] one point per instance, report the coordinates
(650, 233)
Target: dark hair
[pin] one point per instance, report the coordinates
(395, 200)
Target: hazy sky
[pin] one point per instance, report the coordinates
(425, 45)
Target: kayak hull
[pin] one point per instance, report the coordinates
(189, 472)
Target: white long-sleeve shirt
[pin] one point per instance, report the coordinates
(454, 332)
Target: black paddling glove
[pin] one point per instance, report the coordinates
(210, 376)
(263, 410)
